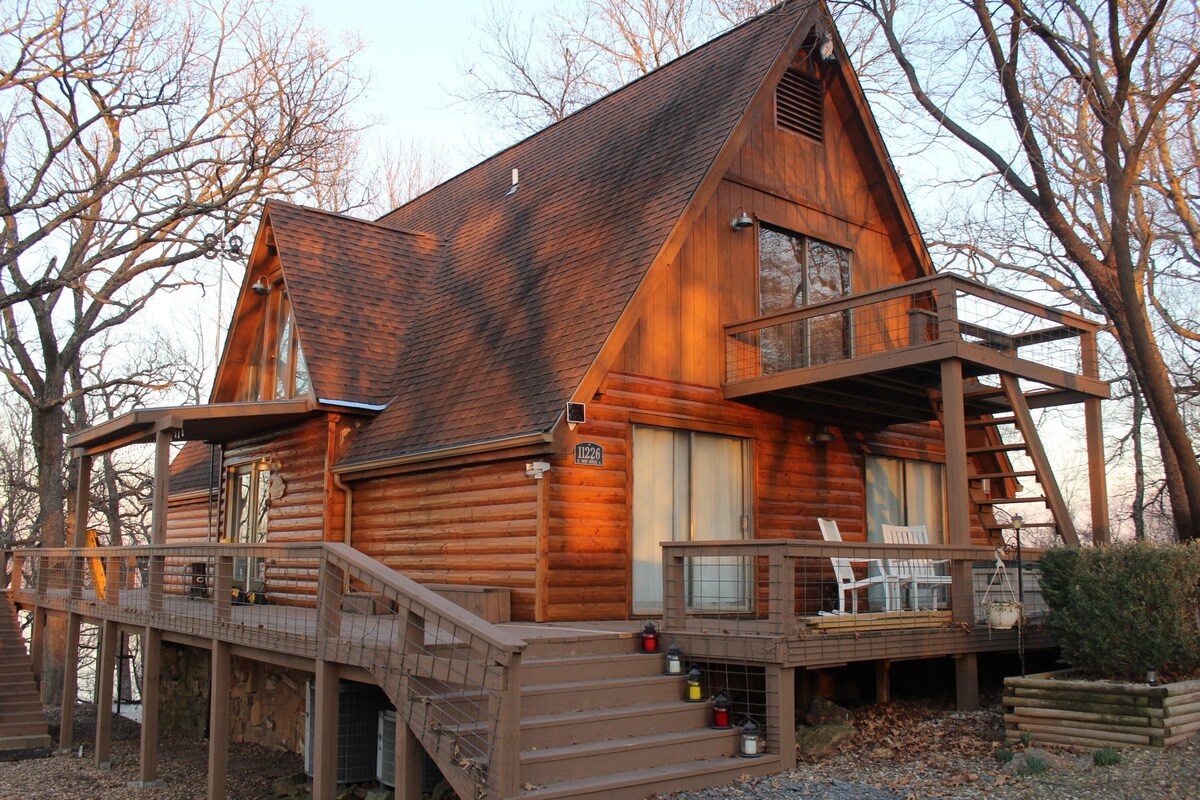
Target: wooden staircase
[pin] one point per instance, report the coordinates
(23, 723)
(988, 410)
(602, 721)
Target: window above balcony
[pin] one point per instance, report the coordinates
(276, 369)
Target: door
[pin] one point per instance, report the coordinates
(248, 503)
(689, 486)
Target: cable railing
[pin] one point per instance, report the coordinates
(453, 677)
(920, 313)
(812, 591)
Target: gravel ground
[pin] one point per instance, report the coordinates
(182, 767)
(903, 751)
(912, 752)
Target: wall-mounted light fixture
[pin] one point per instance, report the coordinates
(741, 220)
(820, 434)
(261, 287)
(536, 469)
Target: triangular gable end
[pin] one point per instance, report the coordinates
(847, 107)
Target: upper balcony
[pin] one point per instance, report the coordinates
(876, 356)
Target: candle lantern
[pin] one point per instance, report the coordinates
(752, 741)
(694, 692)
(720, 711)
(674, 660)
(648, 639)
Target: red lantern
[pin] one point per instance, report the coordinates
(648, 642)
(720, 711)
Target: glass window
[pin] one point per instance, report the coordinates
(795, 271)
(903, 491)
(276, 369)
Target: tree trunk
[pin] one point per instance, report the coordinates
(47, 430)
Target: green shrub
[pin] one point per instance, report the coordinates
(1106, 757)
(1004, 755)
(1026, 737)
(1033, 766)
(1117, 611)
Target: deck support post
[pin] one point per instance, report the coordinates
(966, 681)
(218, 721)
(507, 714)
(781, 712)
(883, 681)
(66, 737)
(151, 666)
(1094, 425)
(37, 643)
(325, 730)
(410, 764)
(104, 693)
(958, 494)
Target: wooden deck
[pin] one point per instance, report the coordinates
(475, 695)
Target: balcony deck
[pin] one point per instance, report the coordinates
(875, 356)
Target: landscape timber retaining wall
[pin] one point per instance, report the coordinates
(1054, 708)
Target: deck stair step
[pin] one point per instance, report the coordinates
(998, 501)
(999, 476)
(988, 422)
(590, 695)
(996, 448)
(552, 764)
(581, 727)
(536, 671)
(23, 723)
(638, 784)
(600, 720)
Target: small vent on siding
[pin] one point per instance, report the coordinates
(799, 104)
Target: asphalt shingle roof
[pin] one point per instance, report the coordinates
(482, 328)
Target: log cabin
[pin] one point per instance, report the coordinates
(457, 457)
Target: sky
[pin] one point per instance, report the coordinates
(415, 53)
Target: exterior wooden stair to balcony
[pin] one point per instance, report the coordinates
(941, 348)
(22, 719)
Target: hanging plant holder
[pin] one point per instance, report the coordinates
(1002, 612)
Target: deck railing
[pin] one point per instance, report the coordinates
(941, 308)
(798, 589)
(453, 677)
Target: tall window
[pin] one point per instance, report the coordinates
(277, 369)
(248, 487)
(902, 491)
(688, 486)
(795, 271)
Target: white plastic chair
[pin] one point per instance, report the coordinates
(843, 571)
(913, 572)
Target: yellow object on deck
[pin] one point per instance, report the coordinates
(99, 580)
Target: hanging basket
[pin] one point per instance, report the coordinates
(1002, 614)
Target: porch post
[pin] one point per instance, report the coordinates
(325, 730)
(83, 499)
(966, 681)
(218, 721)
(781, 712)
(158, 518)
(151, 664)
(104, 693)
(66, 737)
(410, 766)
(37, 642)
(1094, 423)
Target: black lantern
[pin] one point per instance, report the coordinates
(752, 742)
(674, 659)
(694, 693)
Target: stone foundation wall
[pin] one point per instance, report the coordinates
(266, 701)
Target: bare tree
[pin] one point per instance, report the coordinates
(1077, 118)
(532, 74)
(126, 126)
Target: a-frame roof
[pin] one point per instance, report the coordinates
(357, 288)
(532, 282)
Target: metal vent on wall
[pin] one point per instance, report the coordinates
(799, 105)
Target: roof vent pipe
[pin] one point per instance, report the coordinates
(515, 180)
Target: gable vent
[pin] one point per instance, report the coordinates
(799, 105)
